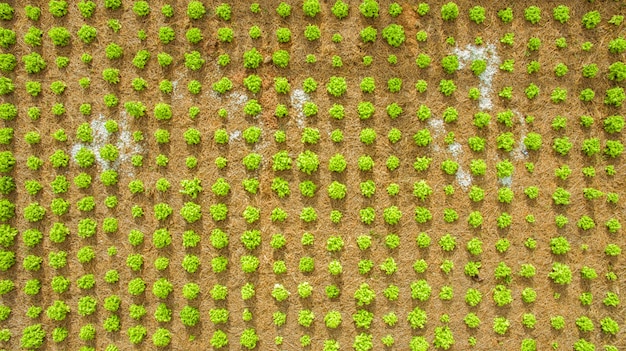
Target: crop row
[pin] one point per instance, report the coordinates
(196, 10)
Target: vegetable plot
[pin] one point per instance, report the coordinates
(342, 175)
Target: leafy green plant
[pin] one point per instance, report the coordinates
(369, 8)
(532, 14)
(449, 11)
(336, 86)
(7, 38)
(560, 274)
(394, 34)
(283, 10)
(33, 337)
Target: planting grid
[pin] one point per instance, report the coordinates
(437, 280)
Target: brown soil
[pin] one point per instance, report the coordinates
(351, 51)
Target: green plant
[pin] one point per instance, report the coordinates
(8, 234)
(311, 7)
(369, 34)
(472, 320)
(417, 318)
(612, 250)
(34, 63)
(7, 38)
(617, 71)
(32, 337)
(477, 14)
(614, 124)
(615, 96)
(141, 8)
(562, 145)
(32, 12)
(502, 295)
(501, 325)
(161, 238)
(60, 36)
(561, 13)
(340, 9)
(369, 8)
(8, 62)
(609, 326)
(394, 34)
(560, 43)
(223, 11)
(312, 32)
(58, 310)
(449, 11)
(616, 20)
(591, 19)
(336, 86)
(617, 45)
(611, 299)
(86, 8)
(560, 274)
(161, 337)
(254, 32)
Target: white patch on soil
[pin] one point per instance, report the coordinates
(520, 152)
(235, 100)
(238, 99)
(123, 140)
(489, 54)
(298, 98)
(455, 149)
(506, 181)
(438, 129)
(265, 139)
(177, 94)
(235, 135)
(464, 179)
(437, 126)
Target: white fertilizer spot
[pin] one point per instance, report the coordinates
(437, 126)
(520, 152)
(455, 149)
(438, 129)
(490, 55)
(298, 98)
(177, 93)
(506, 181)
(464, 179)
(265, 139)
(101, 137)
(235, 135)
(238, 98)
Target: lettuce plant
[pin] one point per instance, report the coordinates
(58, 8)
(337, 86)
(8, 38)
(591, 19)
(477, 14)
(60, 36)
(394, 34)
(32, 337)
(369, 34)
(311, 7)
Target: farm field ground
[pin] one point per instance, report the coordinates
(312, 175)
